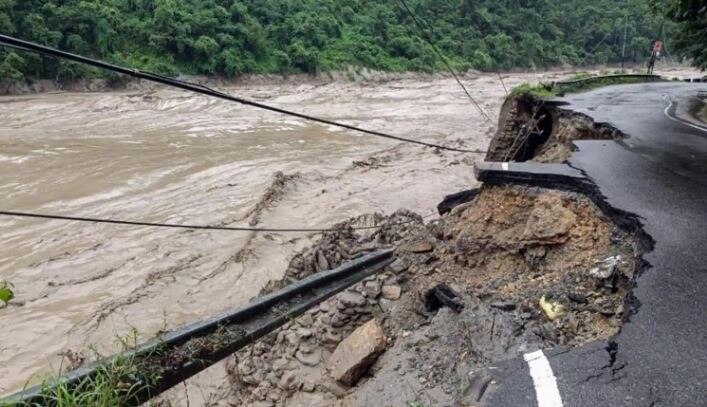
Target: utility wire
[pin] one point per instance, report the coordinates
(194, 227)
(425, 28)
(16, 43)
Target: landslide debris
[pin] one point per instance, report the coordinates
(538, 130)
(504, 253)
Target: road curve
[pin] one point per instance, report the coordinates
(659, 173)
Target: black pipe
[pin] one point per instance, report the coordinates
(234, 330)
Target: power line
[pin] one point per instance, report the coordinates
(195, 227)
(185, 85)
(419, 23)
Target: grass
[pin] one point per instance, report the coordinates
(546, 91)
(539, 91)
(115, 383)
(6, 293)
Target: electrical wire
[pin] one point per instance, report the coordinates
(16, 43)
(420, 23)
(197, 227)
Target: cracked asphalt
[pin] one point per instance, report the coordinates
(658, 173)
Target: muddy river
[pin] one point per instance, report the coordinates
(170, 156)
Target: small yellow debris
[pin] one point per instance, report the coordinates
(552, 309)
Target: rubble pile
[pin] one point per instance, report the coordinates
(518, 269)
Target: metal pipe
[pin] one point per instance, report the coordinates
(176, 356)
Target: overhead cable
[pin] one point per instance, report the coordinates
(421, 26)
(196, 227)
(16, 43)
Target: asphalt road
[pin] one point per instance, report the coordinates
(658, 173)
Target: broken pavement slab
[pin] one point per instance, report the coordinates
(357, 353)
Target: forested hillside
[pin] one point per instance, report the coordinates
(230, 37)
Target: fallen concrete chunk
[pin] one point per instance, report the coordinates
(356, 353)
(391, 292)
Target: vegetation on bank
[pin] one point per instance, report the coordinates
(232, 37)
(580, 82)
(690, 19)
(116, 382)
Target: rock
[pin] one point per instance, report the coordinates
(307, 387)
(350, 300)
(292, 339)
(252, 380)
(461, 208)
(331, 338)
(322, 262)
(391, 292)
(324, 307)
(274, 395)
(271, 378)
(577, 297)
(245, 368)
(504, 305)
(398, 266)
(324, 320)
(311, 359)
(337, 321)
(304, 333)
(605, 268)
(261, 392)
(279, 365)
(288, 381)
(549, 221)
(421, 247)
(372, 289)
(306, 320)
(357, 353)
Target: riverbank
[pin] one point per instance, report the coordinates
(350, 75)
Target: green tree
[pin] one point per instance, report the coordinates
(690, 17)
(234, 37)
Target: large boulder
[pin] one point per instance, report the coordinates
(357, 353)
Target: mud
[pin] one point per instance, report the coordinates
(540, 131)
(504, 251)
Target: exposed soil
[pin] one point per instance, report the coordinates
(540, 131)
(502, 253)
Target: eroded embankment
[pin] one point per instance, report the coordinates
(533, 268)
(541, 131)
(528, 268)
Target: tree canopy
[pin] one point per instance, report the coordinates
(690, 17)
(232, 37)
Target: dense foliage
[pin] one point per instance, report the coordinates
(231, 37)
(690, 17)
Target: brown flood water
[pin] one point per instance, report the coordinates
(170, 156)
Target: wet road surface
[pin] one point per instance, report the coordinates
(659, 173)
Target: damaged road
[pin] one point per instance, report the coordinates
(658, 172)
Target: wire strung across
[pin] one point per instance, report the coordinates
(420, 23)
(16, 43)
(198, 227)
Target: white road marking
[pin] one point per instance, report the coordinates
(504, 166)
(667, 109)
(546, 390)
